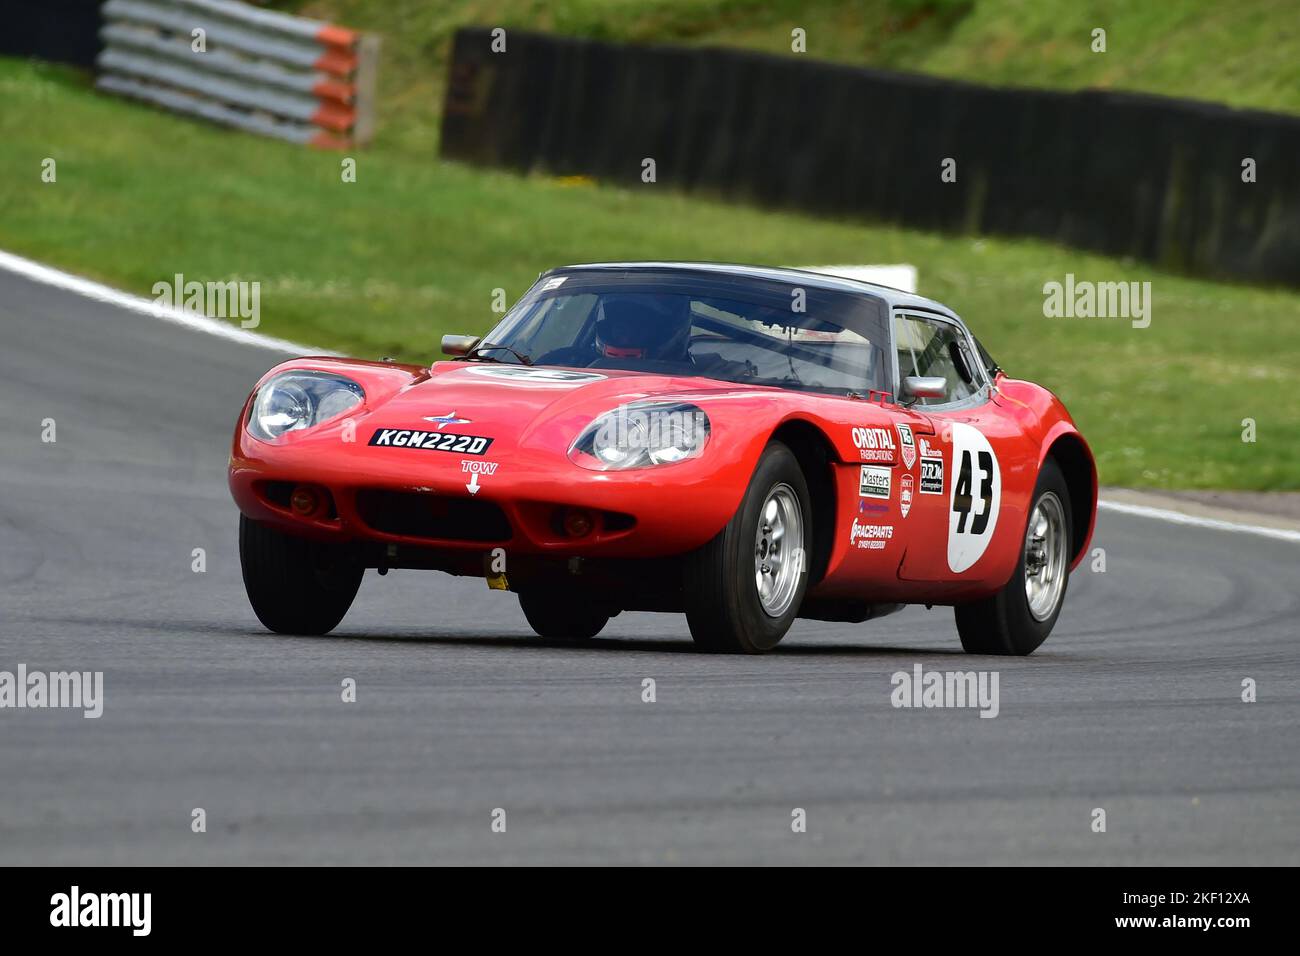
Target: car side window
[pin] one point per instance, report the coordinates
(929, 347)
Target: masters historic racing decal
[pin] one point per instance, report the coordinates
(430, 440)
(874, 444)
(874, 482)
(976, 496)
(909, 446)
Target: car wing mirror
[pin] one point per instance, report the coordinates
(925, 386)
(459, 345)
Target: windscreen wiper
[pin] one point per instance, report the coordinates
(489, 346)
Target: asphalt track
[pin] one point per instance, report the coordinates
(1133, 705)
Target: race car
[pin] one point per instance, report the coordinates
(744, 445)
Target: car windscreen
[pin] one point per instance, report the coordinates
(731, 327)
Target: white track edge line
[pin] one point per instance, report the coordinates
(1178, 517)
(47, 275)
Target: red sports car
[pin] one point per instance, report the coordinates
(745, 445)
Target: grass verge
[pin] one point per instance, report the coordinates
(415, 248)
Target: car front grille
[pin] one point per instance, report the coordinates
(422, 515)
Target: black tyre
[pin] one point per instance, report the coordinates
(296, 586)
(744, 588)
(1018, 618)
(562, 614)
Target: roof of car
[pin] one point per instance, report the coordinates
(895, 298)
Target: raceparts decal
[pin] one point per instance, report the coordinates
(931, 476)
(874, 482)
(874, 444)
(527, 375)
(905, 493)
(976, 496)
(909, 447)
(430, 441)
(870, 537)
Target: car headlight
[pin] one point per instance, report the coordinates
(641, 435)
(296, 400)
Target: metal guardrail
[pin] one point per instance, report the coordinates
(261, 71)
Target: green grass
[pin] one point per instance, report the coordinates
(415, 248)
(1245, 53)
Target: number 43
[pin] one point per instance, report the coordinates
(961, 501)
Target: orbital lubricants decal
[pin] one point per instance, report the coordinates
(975, 499)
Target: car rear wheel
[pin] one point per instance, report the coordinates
(1018, 618)
(296, 586)
(560, 614)
(744, 588)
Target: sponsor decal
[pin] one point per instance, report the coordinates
(975, 499)
(909, 447)
(874, 482)
(430, 440)
(870, 537)
(871, 507)
(905, 494)
(553, 283)
(874, 444)
(476, 468)
(445, 420)
(528, 375)
(928, 450)
(931, 476)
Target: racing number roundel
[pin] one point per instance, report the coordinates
(975, 498)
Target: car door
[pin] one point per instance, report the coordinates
(956, 486)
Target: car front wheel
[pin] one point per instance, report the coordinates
(744, 588)
(1018, 618)
(296, 586)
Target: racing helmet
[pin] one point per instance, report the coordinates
(644, 326)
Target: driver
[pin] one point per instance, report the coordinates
(644, 327)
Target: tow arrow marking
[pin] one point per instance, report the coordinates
(473, 485)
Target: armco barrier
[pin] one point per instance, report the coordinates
(261, 71)
(1130, 175)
